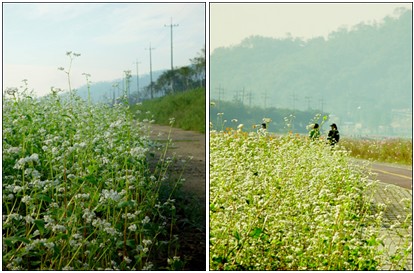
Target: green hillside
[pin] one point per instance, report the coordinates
(361, 75)
(188, 108)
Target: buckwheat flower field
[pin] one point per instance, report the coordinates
(288, 203)
(77, 191)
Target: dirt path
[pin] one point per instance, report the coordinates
(187, 144)
(192, 236)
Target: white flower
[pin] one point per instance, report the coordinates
(110, 231)
(146, 220)
(132, 227)
(146, 242)
(139, 152)
(148, 266)
(29, 219)
(17, 189)
(34, 157)
(58, 228)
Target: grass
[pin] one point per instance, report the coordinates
(398, 151)
(288, 203)
(188, 109)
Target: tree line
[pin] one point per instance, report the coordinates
(362, 74)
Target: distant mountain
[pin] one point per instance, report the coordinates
(362, 76)
(103, 91)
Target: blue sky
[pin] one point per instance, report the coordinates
(110, 37)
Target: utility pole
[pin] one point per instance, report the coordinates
(322, 101)
(171, 29)
(308, 99)
(250, 98)
(172, 63)
(265, 99)
(220, 91)
(236, 97)
(152, 93)
(137, 76)
(294, 99)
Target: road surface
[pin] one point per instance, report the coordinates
(393, 174)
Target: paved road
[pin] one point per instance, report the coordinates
(395, 192)
(398, 175)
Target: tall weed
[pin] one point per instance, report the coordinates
(388, 150)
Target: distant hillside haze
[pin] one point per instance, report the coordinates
(361, 76)
(104, 91)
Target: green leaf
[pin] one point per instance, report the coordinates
(12, 240)
(126, 204)
(92, 179)
(256, 233)
(43, 197)
(130, 243)
(236, 235)
(40, 224)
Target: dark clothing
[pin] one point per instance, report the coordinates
(333, 136)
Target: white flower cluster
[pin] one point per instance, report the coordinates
(77, 180)
(111, 195)
(105, 226)
(139, 152)
(88, 215)
(287, 199)
(22, 161)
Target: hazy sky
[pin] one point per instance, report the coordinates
(230, 23)
(110, 37)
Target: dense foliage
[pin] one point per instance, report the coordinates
(77, 190)
(288, 203)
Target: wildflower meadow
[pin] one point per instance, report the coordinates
(77, 190)
(289, 203)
